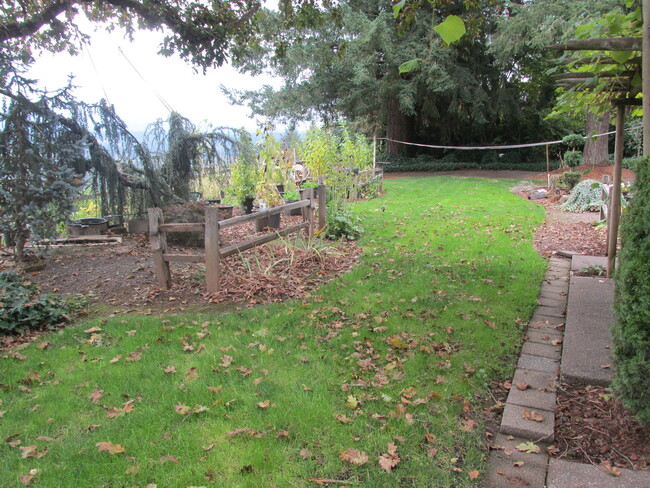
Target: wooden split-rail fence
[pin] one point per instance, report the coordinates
(214, 250)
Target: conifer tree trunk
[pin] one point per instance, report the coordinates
(596, 150)
(399, 127)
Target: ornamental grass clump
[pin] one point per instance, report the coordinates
(585, 197)
(631, 334)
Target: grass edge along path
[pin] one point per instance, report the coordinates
(376, 380)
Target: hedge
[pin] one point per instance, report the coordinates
(631, 334)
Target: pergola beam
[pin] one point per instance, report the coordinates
(600, 44)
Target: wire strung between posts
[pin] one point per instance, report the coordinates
(512, 146)
(158, 95)
(99, 78)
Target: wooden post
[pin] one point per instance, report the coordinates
(645, 76)
(322, 208)
(212, 257)
(159, 247)
(615, 193)
(308, 213)
(374, 155)
(548, 168)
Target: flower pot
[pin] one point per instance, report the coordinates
(294, 211)
(87, 227)
(247, 205)
(225, 211)
(137, 226)
(265, 223)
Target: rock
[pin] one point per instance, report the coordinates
(537, 194)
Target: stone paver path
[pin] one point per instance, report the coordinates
(529, 415)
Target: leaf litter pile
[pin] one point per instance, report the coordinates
(591, 426)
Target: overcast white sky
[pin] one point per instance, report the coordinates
(102, 72)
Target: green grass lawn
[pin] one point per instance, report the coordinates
(386, 367)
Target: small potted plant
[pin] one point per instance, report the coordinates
(244, 179)
(310, 184)
(290, 197)
(268, 196)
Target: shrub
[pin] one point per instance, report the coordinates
(573, 158)
(585, 197)
(342, 223)
(632, 305)
(22, 306)
(573, 140)
(571, 178)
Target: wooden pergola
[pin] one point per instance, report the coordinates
(622, 93)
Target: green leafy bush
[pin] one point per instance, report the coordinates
(22, 306)
(571, 178)
(585, 197)
(573, 158)
(291, 196)
(342, 222)
(309, 184)
(632, 305)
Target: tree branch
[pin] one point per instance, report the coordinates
(15, 30)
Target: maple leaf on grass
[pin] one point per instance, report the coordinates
(96, 395)
(110, 447)
(354, 456)
(26, 479)
(389, 460)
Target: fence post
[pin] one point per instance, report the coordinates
(322, 207)
(308, 213)
(159, 247)
(212, 257)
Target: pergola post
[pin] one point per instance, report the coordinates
(615, 194)
(645, 73)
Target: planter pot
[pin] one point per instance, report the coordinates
(247, 205)
(280, 188)
(268, 223)
(137, 226)
(87, 227)
(293, 212)
(225, 211)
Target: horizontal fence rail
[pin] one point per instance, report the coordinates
(212, 226)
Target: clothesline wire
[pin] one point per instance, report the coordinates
(511, 146)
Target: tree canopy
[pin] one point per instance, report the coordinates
(489, 86)
(204, 34)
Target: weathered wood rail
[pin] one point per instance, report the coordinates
(214, 250)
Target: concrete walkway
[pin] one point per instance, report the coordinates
(580, 354)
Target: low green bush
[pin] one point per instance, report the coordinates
(22, 306)
(631, 334)
(571, 178)
(342, 222)
(573, 158)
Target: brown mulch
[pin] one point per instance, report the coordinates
(591, 426)
(591, 173)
